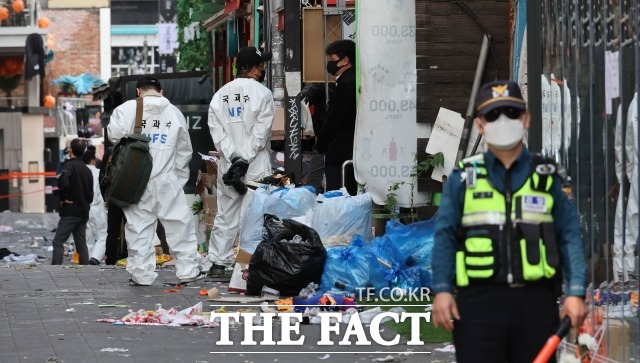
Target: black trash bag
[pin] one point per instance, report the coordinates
(283, 264)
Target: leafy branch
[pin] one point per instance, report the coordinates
(392, 202)
(431, 162)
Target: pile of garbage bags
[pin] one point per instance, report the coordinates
(399, 259)
(286, 231)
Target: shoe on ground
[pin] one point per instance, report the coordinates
(93, 261)
(199, 276)
(219, 271)
(132, 282)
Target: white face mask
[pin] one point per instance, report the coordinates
(504, 133)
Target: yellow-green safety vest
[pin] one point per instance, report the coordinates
(506, 237)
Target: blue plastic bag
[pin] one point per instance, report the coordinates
(337, 219)
(405, 278)
(350, 268)
(412, 245)
(251, 231)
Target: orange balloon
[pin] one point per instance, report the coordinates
(49, 101)
(17, 6)
(4, 13)
(43, 22)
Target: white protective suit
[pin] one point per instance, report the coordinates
(547, 137)
(631, 149)
(240, 119)
(97, 223)
(164, 198)
(556, 118)
(567, 117)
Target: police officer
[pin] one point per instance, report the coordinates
(504, 234)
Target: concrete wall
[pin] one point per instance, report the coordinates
(32, 151)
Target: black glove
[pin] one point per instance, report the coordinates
(233, 177)
(241, 164)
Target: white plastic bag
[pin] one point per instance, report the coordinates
(337, 219)
(289, 203)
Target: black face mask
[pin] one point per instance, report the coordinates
(332, 66)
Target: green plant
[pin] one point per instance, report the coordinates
(197, 207)
(391, 202)
(195, 53)
(431, 162)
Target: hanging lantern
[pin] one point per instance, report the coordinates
(17, 6)
(49, 101)
(43, 22)
(4, 13)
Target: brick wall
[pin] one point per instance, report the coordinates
(77, 43)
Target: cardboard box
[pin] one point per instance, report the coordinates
(237, 283)
(617, 339)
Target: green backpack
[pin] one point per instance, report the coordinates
(129, 166)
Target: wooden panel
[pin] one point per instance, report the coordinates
(480, 8)
(425, 183)
(448, 43)
(313, 58)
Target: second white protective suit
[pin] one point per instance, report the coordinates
(631, 149)
(97, 223)
(164, 198)
(240, 119)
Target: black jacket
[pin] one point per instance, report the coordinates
(35, 57)
(336, 139)
(76, 185)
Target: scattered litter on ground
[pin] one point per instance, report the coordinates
(213, 293)
(388, 358)
(162, 317)
(326, 356)
(160, 260)
(239, 299)
(113, 306)
(5, 229)
(120, 350)
(84, 303)
(447, 349)
(70, 310)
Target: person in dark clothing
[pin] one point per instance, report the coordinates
(336, 138)
(315, 94)
(115, 217)
(75, 183)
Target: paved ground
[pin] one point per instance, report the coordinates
(35, 326)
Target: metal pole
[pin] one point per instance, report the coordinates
(534, 70)
(293, 86)
(468, 120)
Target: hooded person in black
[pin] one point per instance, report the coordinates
(75, 183)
